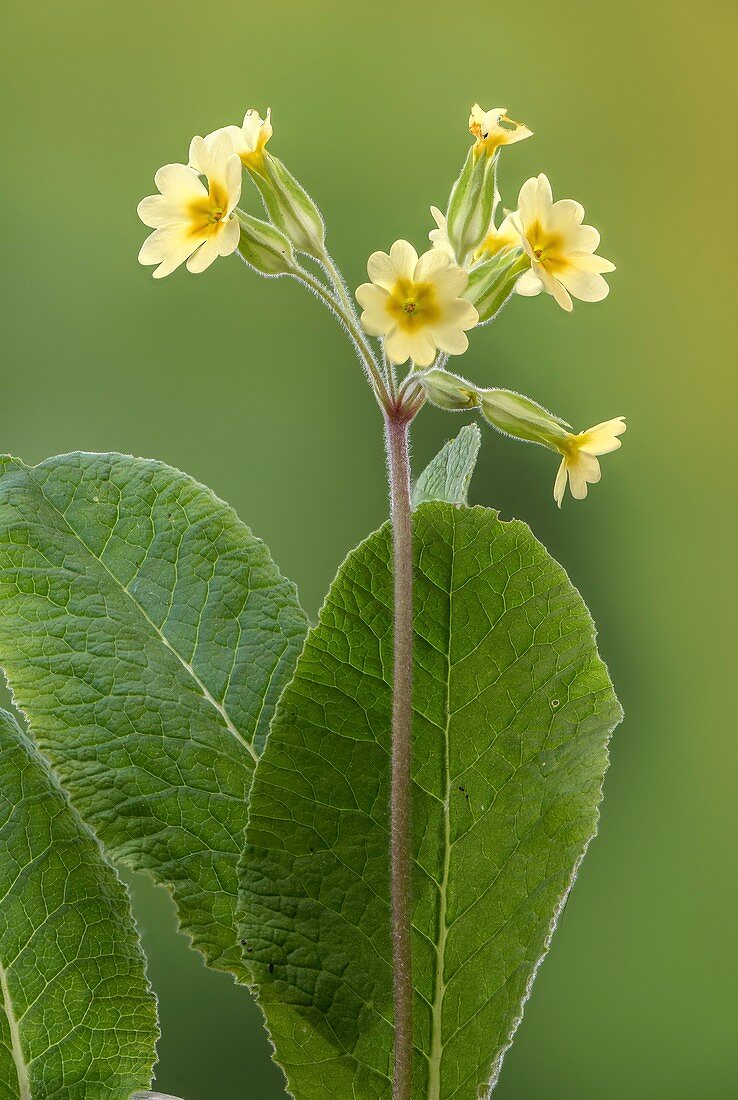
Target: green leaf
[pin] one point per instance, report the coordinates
(513, 711)
(147, 635)
(448, 476)
(77, 1017)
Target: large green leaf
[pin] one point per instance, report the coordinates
(147, 635)
(513, 711)
(77, 1017)
(448, 475)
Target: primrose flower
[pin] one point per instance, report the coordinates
(490, 134)
(579, 461)
(560, 248)
(416, 304)
(192, 222)
(247, 142)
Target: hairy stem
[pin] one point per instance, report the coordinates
(352, 326)
(397, 430)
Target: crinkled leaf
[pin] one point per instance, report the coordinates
(147, 635)
(77, 1017)
(448, 475)
(513, 712)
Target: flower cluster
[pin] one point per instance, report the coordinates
(195, 216)
(419, 307)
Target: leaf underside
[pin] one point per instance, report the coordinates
(147, 635)
(77, 1017)
(513, 712)
(448, 475)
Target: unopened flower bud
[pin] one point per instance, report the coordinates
(448, 391)
(471, 205)
(518, 416)
(264, 247)
(289, 206)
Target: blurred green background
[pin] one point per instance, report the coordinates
(249, 386)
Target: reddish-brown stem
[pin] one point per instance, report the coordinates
(397, 429)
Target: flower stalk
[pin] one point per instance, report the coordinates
(397, 430)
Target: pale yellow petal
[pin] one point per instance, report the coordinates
(527, 201)
(256, 130)
(233, 134)
(529, 284)
(577, 483)
(586, 261)
(459, 314)
(553, 287)
(229, 236)
(544, 197)
(233, 179)
(199, 261)
(448, 278)
(397, 346)
(404, 258)
(587, 286)
(153, 250)
(585, 238)
(176, 249)
(179, 183)
(560, 482)
(565, 215)
(429, 265)
(373, 300)
(422, 348)
(156, 211)
(450, 339)
(602, 439)
(166, 242)
(381, 270)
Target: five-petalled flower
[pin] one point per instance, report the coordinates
(415, 304)
(561, 249)
(487, 128)
(579, 457)
(193, 221)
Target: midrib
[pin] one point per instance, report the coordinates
(436, 1046)
(21, 1069)
(206, 694)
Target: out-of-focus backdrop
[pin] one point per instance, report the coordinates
(248, 385)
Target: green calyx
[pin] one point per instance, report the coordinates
(290, 207)
(471, 204)
(492, 282)
(265, 247)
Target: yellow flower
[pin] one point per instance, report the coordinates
(191, 221)
(579, 461)
(490, 134)
(415, 304)
(247, 142)
(560, 248)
